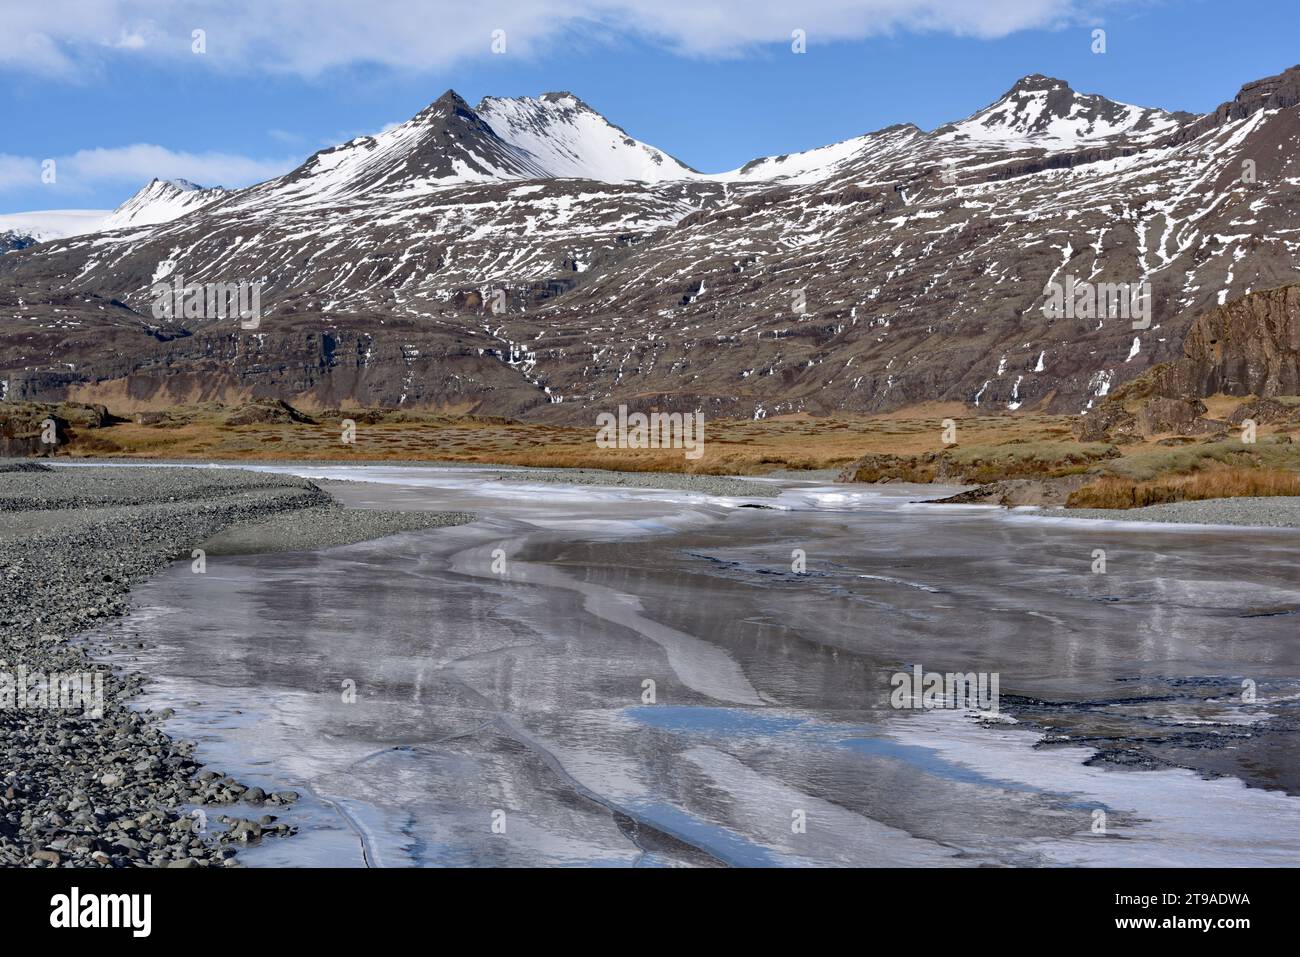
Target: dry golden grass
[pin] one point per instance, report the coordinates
(1117, 492)
(907, 447)
(731, 446)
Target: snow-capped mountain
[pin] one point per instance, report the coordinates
(161, 201)
(529, 258)
(445, 144)
(1045, 113)
(555, 136)
(1038, 116)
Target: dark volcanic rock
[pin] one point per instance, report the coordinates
(10, 241)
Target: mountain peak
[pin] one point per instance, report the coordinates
(446, 143)
(183, 185)
(165, 189)
(564, 98)
(1036, 82)
(448, 104)
(160, 201)
(1043, 112)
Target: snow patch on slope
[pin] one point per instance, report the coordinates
(816, 165)
(569, 139)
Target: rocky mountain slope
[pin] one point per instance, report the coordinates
(528, 258)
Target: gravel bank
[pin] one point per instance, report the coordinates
(323, 528)
(1270, 512)
(94, 783)
(669, 481)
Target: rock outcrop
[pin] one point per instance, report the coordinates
(1249, 347)
(27, 427)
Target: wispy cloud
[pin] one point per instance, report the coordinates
(132, 166)
(17, 172)
(285, 136)
(63, 37)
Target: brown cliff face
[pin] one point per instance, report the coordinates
(1247, 347)
(1271, 93)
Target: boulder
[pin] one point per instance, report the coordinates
(1107, 423)
(1160, 416)
(266, 411)
(1264, 412)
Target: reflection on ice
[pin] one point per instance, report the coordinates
(648, 681)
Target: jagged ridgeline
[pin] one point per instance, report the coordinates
(528, 258)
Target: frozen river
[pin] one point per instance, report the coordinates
(608, 676)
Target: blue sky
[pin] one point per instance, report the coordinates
(113, 91)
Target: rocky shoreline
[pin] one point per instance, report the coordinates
(94, 783)
(1272, 512)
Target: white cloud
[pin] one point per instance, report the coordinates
(17, 172)
(133, 166)
(131, 41)
(294, 36)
